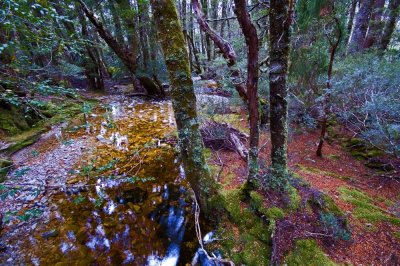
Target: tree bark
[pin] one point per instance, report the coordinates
(144, 23)
(126, 55)
(250, 33)
(280, 19)
(184, 101)
(360, 27)
(92, 65)
(117, 22)
(375, 25)
(224, 15)
(224, 47)
(352, 13)
(390, 24)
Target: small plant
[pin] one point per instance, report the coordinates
(21, 172)
(34, 153)
(334, 226)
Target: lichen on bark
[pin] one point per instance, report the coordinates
(184, 102)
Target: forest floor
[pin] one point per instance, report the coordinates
(370, 200)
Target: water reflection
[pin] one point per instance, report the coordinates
(133, 210)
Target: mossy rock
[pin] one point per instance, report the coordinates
(379, 165)
(5, 166)
(273, 213)
(308, 253)
(12, 121)
(24, 139)
(360, 149)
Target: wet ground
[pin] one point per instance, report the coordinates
(105, 189)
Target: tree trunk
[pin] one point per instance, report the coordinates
(224, 47)
(184, 101)
(207, 43)
(352, 13)
(332, 51)
(375, 25)
(92, 65)
(126, 55)
(250, 33)
(144, 24)
(117, 22)
(224, 15)
(280, 18)
(360, 27)
(390, 24)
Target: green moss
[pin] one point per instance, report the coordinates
(294, 198)
(308, 253)
(313, 170)
(255, 253)
(273, 213)
(12, 121)
(365, 208)
(24, 139)
(396, 235)
(256, 200)
(4, 168)
(360, 149)
(28, 135)
(250, 245)
(329, 206)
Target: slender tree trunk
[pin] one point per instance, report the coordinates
(92, 65)
(280, 18)
(207, 43)
(390, 26)
(214, 16)
(196, 62)
(352, 13)
(7, 55)
(326, 110)
(250, 33)
(184, 101)
(144, 24)
(360, 27)
(224, 15)
(375, 25)
(153, 46)
(117, 22)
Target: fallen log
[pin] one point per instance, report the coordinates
(222, 136)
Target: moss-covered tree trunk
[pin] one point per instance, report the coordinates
(251, 37)
(183, 101)
(356, 43)
(279, 30)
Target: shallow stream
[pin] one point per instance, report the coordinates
(125, 201)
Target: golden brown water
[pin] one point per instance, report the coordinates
(133, 209)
